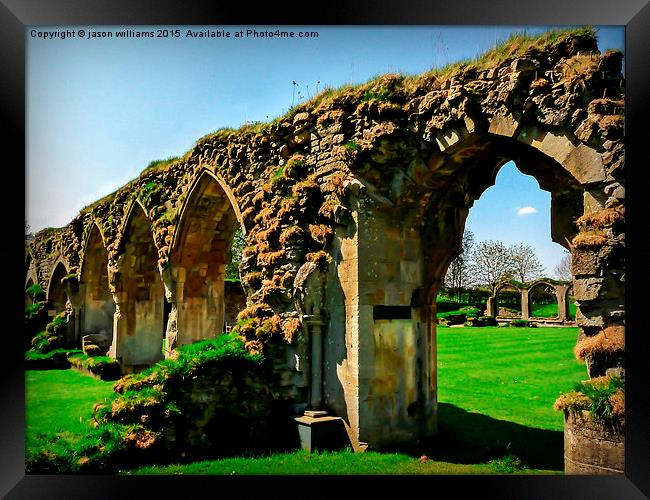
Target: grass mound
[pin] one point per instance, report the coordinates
(141, 420)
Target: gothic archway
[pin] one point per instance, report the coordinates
(138, 327)
(200, 251)
(98, 306)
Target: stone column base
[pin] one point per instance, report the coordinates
(590, 447)
(321, 432)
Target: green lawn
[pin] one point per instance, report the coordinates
(512, 374)
(496, 387)
(332, 463)
(60, 401)
(550, 310)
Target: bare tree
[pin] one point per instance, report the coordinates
(525, 264)
(458, 275)
(491, 261)
(563, 269)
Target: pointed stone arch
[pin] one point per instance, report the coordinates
(408, 234)
(138, 326)
(200, 251)
(97, 304)
(56, 292)
(31, 273)
(28, 299)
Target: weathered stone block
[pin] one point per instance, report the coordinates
(590, 319)
(503, 125)
(585, 164)
(585, 289)
(585, 262)
(554, 145)
(591, 446)
(410, 271)
(445, 141)
(591, 204)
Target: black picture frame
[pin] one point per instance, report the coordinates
(16, 15)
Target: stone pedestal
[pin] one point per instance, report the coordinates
(318, 431)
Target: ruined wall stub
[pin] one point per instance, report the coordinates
(374, 183)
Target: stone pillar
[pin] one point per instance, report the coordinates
(117, 314)
(562, 304)
(491, 307)
(73, 330)
(314, 325)
(525, 304)
(171, 329)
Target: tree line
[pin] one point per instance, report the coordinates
(486, 263)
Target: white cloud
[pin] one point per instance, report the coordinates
(526, 210)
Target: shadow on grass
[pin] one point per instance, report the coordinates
(472, 438)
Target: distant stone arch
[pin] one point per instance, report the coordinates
(200, 251)
(138, 329)
(97, 304)
(544, 284)
(516, 293)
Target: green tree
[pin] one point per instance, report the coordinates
(525, 264)
(491, 261)
(238, 244)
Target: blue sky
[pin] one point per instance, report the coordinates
(99, 110)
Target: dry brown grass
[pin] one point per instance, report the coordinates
(250, 251)
(254, 346)
(270, 258)
(252, 279)
(265, 215)
(246, 215)
(578, 67)
(589, 239)
(320, 232)
(539, 83)
(255, 311)
(291, 232)
(141, 438)
(617, 400)
(303, 187)
(258, 198)
(572, 401)
(603, 218)
(269, 233)
(287, 205)
(291, 327)
(610, 340)
(320, 258)
(271, 326)
(611, 121)
(327, 209)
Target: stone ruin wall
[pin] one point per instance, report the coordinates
(301, 182)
